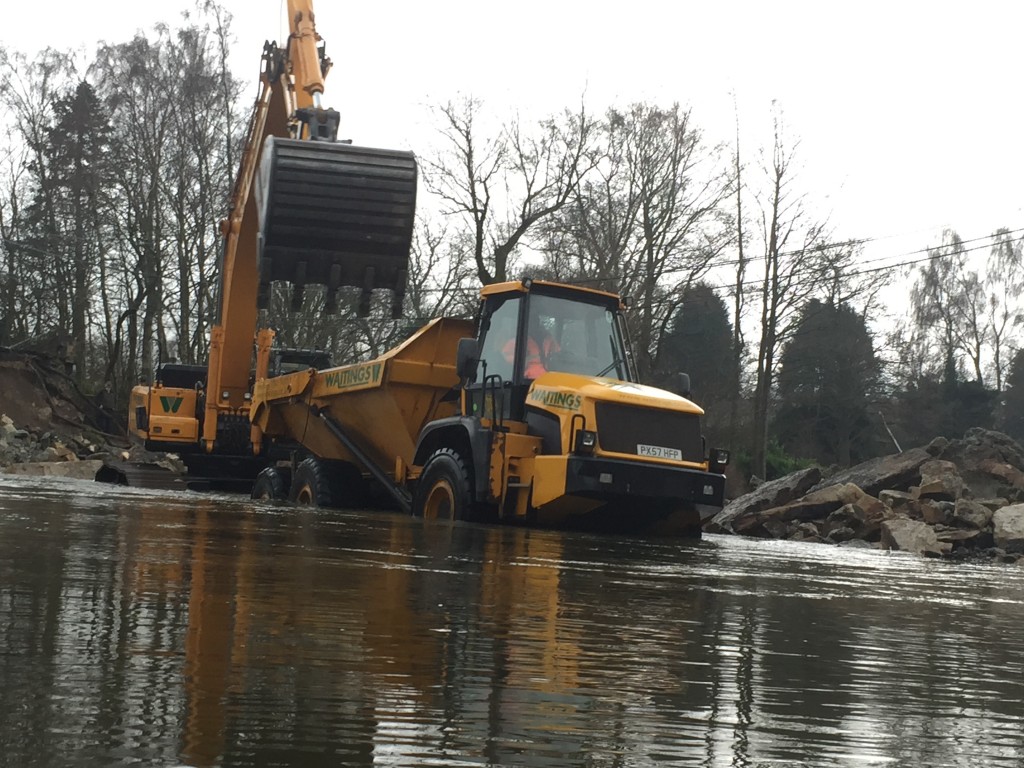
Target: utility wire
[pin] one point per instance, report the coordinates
(907, 259)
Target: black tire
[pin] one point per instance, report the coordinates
(270, 485)
(311, 486)
(444, 489)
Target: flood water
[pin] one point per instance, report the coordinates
(168, 629)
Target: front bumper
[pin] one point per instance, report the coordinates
(611, 480)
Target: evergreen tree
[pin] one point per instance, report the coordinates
(1012, 421)
(699, 342)
(77, 151)
(827, 383)
(70, 174)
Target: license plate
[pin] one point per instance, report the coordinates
(659, 452)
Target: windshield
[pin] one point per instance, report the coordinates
(573, 337)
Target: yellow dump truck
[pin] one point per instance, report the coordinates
(531, 413)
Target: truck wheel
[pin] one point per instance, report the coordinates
(270, 485)
(442, 492)
(310, 485)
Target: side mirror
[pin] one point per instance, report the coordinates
(683, 384)
(718, 460)
(466, 358)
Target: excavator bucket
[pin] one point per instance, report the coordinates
(335, 214)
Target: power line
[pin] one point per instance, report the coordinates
(929, 253)
(857, 242)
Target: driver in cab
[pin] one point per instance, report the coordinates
(540, 345)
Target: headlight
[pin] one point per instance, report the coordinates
(719, 457)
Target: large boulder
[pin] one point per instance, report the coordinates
(768, 495)
(861, 519)
(817, 505)
(932, 511)
(781, 522)
(905, 535)
(991, 463)
(940, 481)
(1008, 528)
(979, 445)
(895, 472)
(971, 514)
(991, 477)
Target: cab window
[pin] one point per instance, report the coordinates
(497, 351)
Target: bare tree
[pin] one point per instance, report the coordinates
(175, 106)
(967, 313)
(593, 237)
(15, 183)
(647, 220)
(28, 89)
(440, 283)
(738, 308)
(1005, 279)
(497, 189)
(949, 306)
(199, 177)
(798, 262)
(679, 222)
(138, 86)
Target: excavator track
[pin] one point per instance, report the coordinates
(334, 214)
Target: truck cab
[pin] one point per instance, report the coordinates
(531, 328)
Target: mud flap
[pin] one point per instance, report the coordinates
(335, 214)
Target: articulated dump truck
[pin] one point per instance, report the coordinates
(532, 413)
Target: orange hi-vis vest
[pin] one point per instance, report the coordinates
(536, 354)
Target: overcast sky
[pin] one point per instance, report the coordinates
(909, 114)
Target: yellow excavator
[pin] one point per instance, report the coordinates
(306, 209)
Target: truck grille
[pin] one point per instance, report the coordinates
(621, 428)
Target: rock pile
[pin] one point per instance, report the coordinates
(77, 455)
(30, 452)
(959, 499)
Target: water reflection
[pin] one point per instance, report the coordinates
(167, 629)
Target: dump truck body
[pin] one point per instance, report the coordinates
(382, 404)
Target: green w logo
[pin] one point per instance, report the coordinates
(171, 404)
